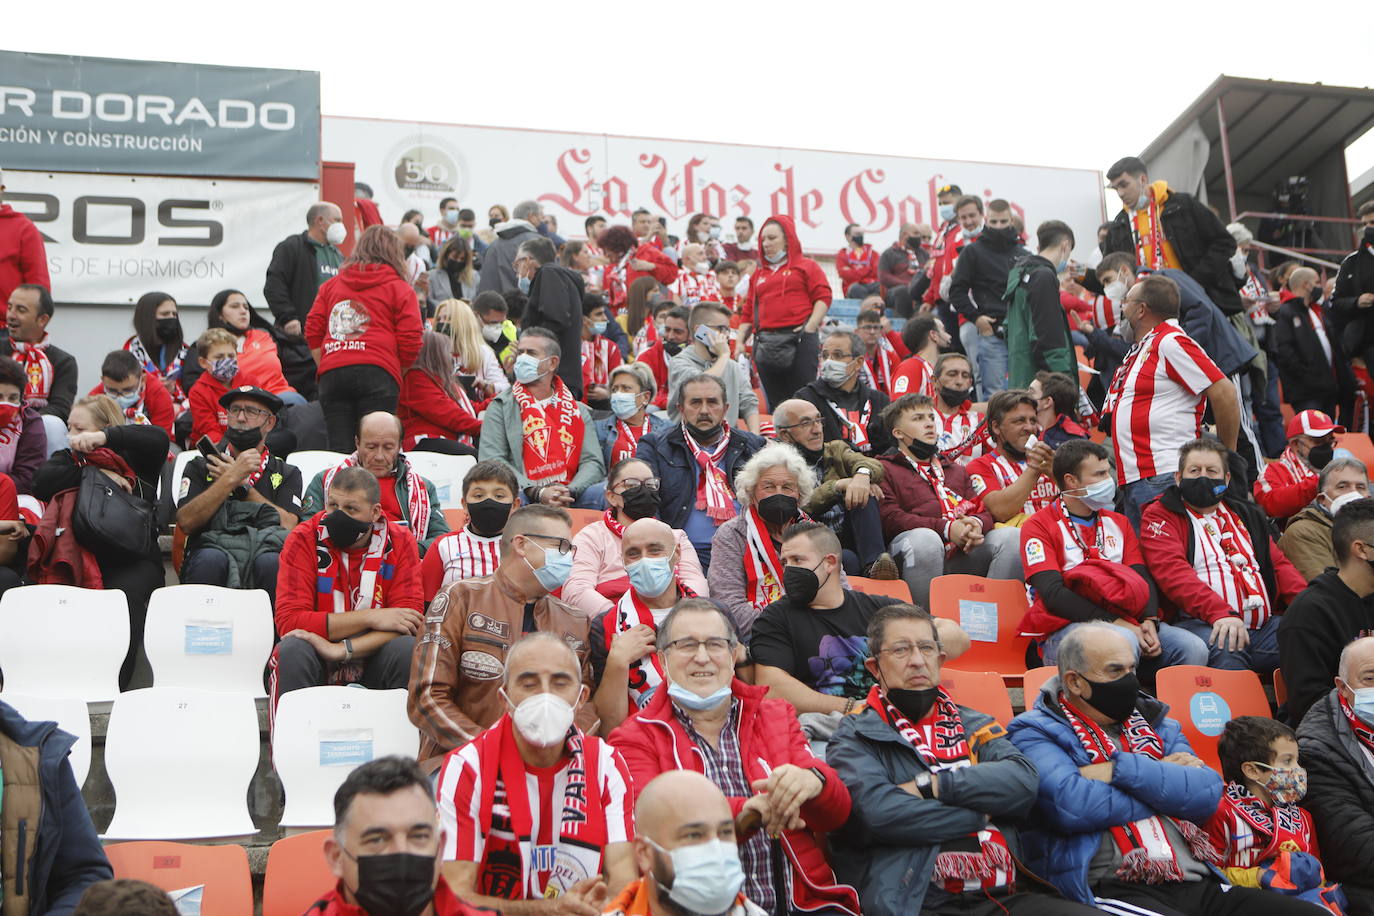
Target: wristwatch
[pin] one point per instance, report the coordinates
(867, 471)
(819, 775)
(923, 785)
(348, 649)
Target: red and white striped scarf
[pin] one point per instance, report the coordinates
(881, 365)
(987, 863)
(854, 424)
(1223, 550)
(715, 497)
(631, 610)
(37, 370)
(1147, 856)
(596, 360)
(952, 505)
(332, 593)
(417, 496)
(762, 567)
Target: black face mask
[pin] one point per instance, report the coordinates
(395, 884)
(1369, 234)
(778, 509)
(243, 439)
(1005, 234)
(169, 329)
(1314, 295)
(1202, 492)
(640, 502)
(801, 584)
(344, 530)
(1319, 456)
(922, 451)
(857, 239)
(914, 704)
(913, 243)
(488, 516)
(1114, 699)
(494, 221)
(1014, 453)
(953, 397)
(703, 435)
(672, 349)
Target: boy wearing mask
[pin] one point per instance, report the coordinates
(217, 353)
(474, 550)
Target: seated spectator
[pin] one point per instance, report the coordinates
(931, 517)
(538, 428)
(632, 393)
(219, 364)
(125, 897)
(1306, 540)
(599, 353)
(1121, 792)
(656, 356)
(846, 490)
(851, 410)
(435, 411)
(498, 331)
(857, 264)
(159, 345)
(138, 393)
(472, 624)
(45, 819)
(1264, 838)
(937, 788)
(1313, 367)
(924, 335)
(696, 460)
(1084, 563)
(1287, 485)
(598, 578)
(50, 372)
(23, 433)
(492, 853)
(133, 457)
(710, 722)
(1216, 564)
(348, 604)
(709, 354)
(407, 498)
(236, 507)
(471, 354)
(1056, 399)
(1330, 612)
(882, 349)
(695, 282)
(14, 536)
(624, 667)
(959, 427)
(641, 316)
(1012, 481)
(256, 346)
(385, 846)
(489, 494)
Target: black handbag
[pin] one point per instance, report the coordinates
(776, 350)
(109, 522)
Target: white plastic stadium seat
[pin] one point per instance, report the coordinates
(178, 471)
(63, 641)
(311, 461)
(446, 472)
(71, 715)
(209, 638)
(180, 762)
(322, 733)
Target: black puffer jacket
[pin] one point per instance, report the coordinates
(980, 275)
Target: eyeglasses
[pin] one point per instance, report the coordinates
(808, 422)
(902, 651)
(563, 545)
(629, 483)
(870, 327)
(251, 413)
(687, 647)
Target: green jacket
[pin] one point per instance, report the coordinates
(244, 530)
(1036, 324)
(438, 525)
(838, 461)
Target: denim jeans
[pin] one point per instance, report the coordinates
(921, 553)
(968, 336)
(1260, 656)
(1177, 646)
(1140, 492)
(992, 365)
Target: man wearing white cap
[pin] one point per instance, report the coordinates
(1288, 484)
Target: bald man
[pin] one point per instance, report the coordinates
(416, 251)
(407, 498)
(300, 265)
(1307, 348)
(560, 836)
(683, 820)
(1336, 744)
(622, 639)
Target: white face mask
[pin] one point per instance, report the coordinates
(491, 333)
(336, 233)
(1344, 499)
(543, 719)
(1116, 290)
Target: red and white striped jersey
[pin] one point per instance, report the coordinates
(1224, 568)
(994, 471)
(914, 376)
(1104, 313)
(1156, 402)
(956, 428)
(691, 287)
(456, 556)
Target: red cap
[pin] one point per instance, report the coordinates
(1114, 587)
(1312, 423)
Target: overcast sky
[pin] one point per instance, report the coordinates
(1074, 83)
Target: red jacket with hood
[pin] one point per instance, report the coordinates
(908, 501)
(653, 741)
(368, 316)
(22, 256)
(782, 295)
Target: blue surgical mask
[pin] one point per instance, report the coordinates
(598, 328)
(1097, 496)
(1363, 705)
(651, 576)
(126, 401)
(688, 700)
(624, 404)
(946, 212)
(776, 258)
(527, 368)
(707, 876)
(557, 566)
(1061, 266)
(523, 283)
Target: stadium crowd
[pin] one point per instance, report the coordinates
(687, 695)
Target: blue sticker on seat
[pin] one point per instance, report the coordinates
(205, 638)
(1210, 713)
(347, 753)
(978, 619)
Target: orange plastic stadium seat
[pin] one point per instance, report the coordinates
(1203, 700)
(892, 588)
(223, 870)
(297, 874)
(1034, 679)
(980, 690)
(456, 518)
(990, 612)
(581, 518)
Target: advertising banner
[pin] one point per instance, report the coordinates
(112, 238)
(95, 114)
(412, 164)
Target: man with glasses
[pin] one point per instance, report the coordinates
(709, 353)
(752, 748)
(237, 504)
(884, 350)
(851, 409)
(470, 626)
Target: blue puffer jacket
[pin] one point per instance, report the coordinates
(667, 452)
(1073, 812)
(1208, 325)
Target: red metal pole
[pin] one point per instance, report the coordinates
(1226, 159)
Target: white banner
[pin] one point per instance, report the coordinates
(112, 238)
(412, 164)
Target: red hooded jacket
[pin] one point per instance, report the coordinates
(653, 741)
(22, 256)
(782, 295)
(367, 315)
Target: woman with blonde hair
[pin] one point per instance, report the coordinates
(471, 355)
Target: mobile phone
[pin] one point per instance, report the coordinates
(208, 448)
(1031, 443)
(705, 336)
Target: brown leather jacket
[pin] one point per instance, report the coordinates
(458, 664)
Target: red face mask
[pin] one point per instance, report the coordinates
(7, 413)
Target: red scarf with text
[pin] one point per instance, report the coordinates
(627, 437)
(37, 370)
(714, 495)
(1363, 733)
(1270, 829)
(418, 507)
(332, 592)
(553, 435)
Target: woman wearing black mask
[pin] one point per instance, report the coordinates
(598, 575)
(489, 492)
(160, 345)
(453, 277)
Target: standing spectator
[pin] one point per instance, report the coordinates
(788, 298)
(556, 299)
(473, 551)
(23, 259)
(23, 439)
(453, 276)
(599, 354)
(498, 330)
(1216, 563)
(301, 264)
(629, 257)
(728, 278)
(1353, 295)
(363, 329)
(938, 277)
(498, 261)
(1037, 327)
(852, 411)
(50, 372)
(57, 854)
(977, 291)
(447, 227)
(709, 354)
(416, 255)
(1290, 483)
(435, 412)
(1013, 480)
(857, 264)
(743, 248)
(1158, 396)
(1330, 612)
(897, 269)
(883, 349)
(704, 229)
(1312, 363)
(265, 355)
(924, 336)
(160, 347)
(1306, 540)
(137, 392)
